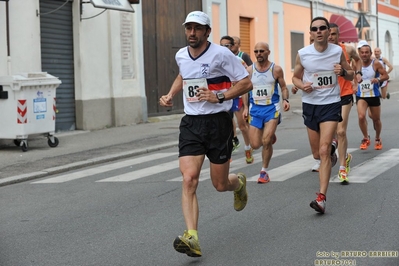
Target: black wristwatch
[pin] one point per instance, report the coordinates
(359, 72)
(286, 100)
(220, 96)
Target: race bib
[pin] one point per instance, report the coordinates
(190, 87)
(262, 94)
(324, 80)
(366, 86)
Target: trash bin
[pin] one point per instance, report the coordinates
(27, 107)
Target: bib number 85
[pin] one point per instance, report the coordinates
(192, 90)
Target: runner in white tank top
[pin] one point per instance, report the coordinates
(368, 96)
(316, 69)
(264, 110)
(385, 63)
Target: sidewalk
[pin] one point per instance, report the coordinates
(78, 149)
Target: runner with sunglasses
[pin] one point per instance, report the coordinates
(316, 72)
(264, 108)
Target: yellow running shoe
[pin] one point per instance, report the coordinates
(187, 244)
(248, 156)
(347, 163)
(343, 177)
(241, 196)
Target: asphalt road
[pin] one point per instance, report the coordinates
(128, 212)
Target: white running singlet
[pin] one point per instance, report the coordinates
(319, 69)
(218, 66)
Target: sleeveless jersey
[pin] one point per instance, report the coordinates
(382, 62)
(319, 69)
(385, 67)
(215, 68)
(345, 85)
(366, 89)
(265, 89)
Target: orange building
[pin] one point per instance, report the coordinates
(284, 25)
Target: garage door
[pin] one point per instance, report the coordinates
(57, 56)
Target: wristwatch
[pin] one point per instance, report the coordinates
(286, 100)
(359, 72)
(220, 96)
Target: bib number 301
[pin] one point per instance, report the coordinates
(324, 80)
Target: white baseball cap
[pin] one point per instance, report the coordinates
(362, 43)
(198, 17)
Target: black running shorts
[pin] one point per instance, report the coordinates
(313, 115)
(211, 135)
(371, 101)
(347, 99)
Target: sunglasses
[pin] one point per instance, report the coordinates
(259, 51)
(196, 28)
(321, 28)
(227, 45)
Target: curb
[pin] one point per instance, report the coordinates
(73, 166)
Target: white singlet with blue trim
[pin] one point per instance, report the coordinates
(366, 88)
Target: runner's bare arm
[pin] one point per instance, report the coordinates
(389, 65)
(279, 74)
(346, 70)
(298, 73)
(166, 100)
(380, 69)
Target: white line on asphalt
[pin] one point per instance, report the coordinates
(290, 170)
(104, 168)
(364, 172)
(237, 164)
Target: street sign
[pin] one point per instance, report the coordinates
(362, 22)
(121, 5)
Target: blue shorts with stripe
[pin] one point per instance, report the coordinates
(261, 114)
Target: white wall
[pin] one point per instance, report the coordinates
(98, 56)
(24, 30)
(389, 23)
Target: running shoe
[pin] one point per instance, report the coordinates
(347, 162)
(274, 139)
(316, 167)
(378, 144)
(343, 177)
(334, 145)
(388, 95)
(248, 156)
(263, 177)
(334, 160)
(241, 196)
(236, 145)
(187, 244)
(319, 204)
(365, 143)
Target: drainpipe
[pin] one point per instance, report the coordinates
(8, 39)
(378, 39)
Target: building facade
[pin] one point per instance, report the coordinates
(114, 65)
